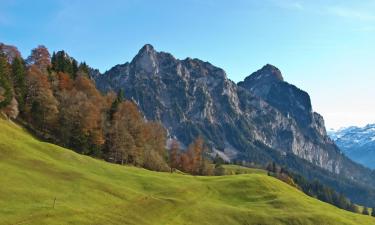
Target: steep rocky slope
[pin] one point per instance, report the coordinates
(261, 119)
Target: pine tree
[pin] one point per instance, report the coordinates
(373, 212)
(19, 82)
(5, 86)
(115, 104)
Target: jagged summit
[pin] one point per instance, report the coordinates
(267, 74)
(146, 59)
(272, 70)
(147, 48)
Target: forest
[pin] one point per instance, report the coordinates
(54, 97)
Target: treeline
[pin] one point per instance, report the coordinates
(315, 189)
(55, 99)
(194, 160)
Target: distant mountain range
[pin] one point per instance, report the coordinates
(358, 143)
(260, 119)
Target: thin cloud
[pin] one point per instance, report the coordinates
(289, 4)
(352, 13)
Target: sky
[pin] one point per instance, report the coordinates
(325, 47)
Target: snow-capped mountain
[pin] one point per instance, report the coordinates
(358, 143)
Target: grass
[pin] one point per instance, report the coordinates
(90, 191)
(235, 170)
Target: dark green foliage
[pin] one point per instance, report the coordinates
(218, 160)
(313, 188)
(365, 211)
(362, 194)
(115, 104)
(373, 212)
(19, 83)
(62, 62)
(219, 170)
(5, 85)
(84, 68)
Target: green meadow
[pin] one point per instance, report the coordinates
(41, 183)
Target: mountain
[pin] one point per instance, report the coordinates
(259, 120)
(358, 143)
(48, 184)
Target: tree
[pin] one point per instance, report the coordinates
(174, 155)
(185, 163)
(19, 81)
(219, 170)
(126, 134)
(121, 142)
(365, 211)
(81, 116)
(194, 153)
(353, 208)
(41, 105)
(62, 62)
(65, 82)
(155, 138)
(6, 94)
(119, 98)
(373, 212)
(10, 52)
(11, 110)
(40, 57)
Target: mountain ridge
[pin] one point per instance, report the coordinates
(244, 121)
(358, 143)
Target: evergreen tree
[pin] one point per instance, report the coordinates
(5, 86)
(373, 212)
(365, 211)
(19, 82)
(83, 67)
(115, 103)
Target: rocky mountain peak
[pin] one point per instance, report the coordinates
(146, 59)
(272, 71)
(266, 75)
(147, 48)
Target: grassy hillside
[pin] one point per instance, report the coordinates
(89, 191)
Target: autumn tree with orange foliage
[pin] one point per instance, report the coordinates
(40, 58)
(41, 105)
(81, 116)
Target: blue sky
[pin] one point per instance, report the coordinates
(326, 47)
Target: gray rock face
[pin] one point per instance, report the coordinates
(260, 119)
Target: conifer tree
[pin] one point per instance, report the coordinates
(365, 211)
(5, 86)
(19, 82)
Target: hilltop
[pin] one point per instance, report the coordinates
(90, 191)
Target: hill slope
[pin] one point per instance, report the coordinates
(89, 191)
